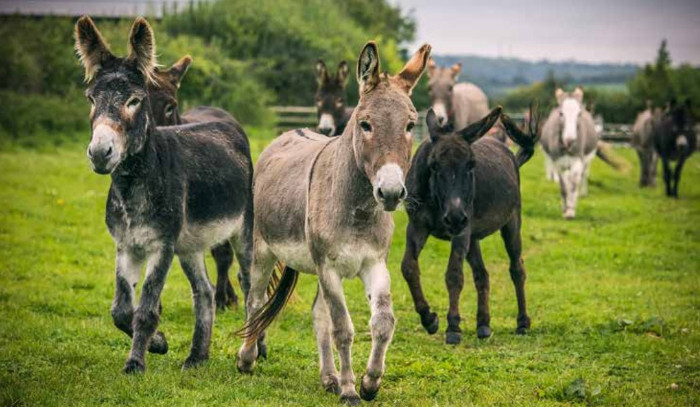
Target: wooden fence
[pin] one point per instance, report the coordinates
(294, 117)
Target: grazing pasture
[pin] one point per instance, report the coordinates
(614, 297)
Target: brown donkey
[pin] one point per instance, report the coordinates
(163, 97)
(322, 207)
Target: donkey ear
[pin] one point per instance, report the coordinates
(343, 72)
(91, 47)
(142, 48)
(431, 67)
(476, 130)
(456, 69)
(434, 128)
(578, 94)
(368, 67)
(321, 72)
(178, 70)
(560, 95)
(412, 71)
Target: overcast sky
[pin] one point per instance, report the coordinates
(584, 30)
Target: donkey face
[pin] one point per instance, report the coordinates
(682, 122)
(330, 97)
(117, 90)
(163, 93)
(440, 84)
(384, 118)
(451, 166)
(570, 110)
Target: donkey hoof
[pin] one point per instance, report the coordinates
(133, 366)
(523, 327)
(245, 367)
(369, 391)
(224, 302)
(453, 338)
(331, 384)
(193, 362)
(483, 332)
(569, 214)
(158, 344)
(430, 323)
(351, 399)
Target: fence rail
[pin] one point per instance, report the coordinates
(293, 117)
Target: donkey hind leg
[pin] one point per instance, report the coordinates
(483, 289)
(343, 331)
(586, 173)
(203, 299)
(243, 247)
(322, 327)
(260, 278)
(677, 175)
(128, 272)
(415, 240)
(654, 163)
(225, 295)
(454, 280)
(147, 313)
(378, 290)
(643, 166)
(511, 238)
(667, 175)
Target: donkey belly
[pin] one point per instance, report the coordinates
(196, 237)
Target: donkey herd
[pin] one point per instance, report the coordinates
(320, 202)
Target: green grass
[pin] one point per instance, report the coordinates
(614, 298)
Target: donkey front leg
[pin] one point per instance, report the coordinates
(667, 175)
(129, 263)
(147, 314)
(415, 240)
(454, 279)
(570, 181)
(203, 298)
(511, 238)
(677, 175)
(483, 290)
(322, 327)
(343, 331)
(377, 287)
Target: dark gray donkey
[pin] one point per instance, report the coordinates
(331, 109)
(175, 190)
(675, 139)
(462, 188)
(163, 97)
(322, 206)
(643, 143)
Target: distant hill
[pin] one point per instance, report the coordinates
(497, 75)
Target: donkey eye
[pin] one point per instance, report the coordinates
(169, 110)
(410, 127)
(133, 102)
(365, 126)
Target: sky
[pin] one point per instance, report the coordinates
(617, 31)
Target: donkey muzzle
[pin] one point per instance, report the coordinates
(389, 189)
(326, 125)
(102, 150)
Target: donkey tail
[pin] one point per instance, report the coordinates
(605, 152)
(279, 291)
(526, 141)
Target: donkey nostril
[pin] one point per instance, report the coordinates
(446, 219)
(380, 193)
(403, 193)
(109, 152)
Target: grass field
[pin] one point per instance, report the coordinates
(614, 298)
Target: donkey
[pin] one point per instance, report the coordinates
(570, 143)
(174, 190)
(331, 109)
(341, 190)
(164, 105)
(643, 143)
(457, 103)
(463, 188)
(675, 139)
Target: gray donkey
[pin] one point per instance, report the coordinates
(463, 188)
(164, 104)
(322, 207)
(643, 143)
(331, 105)
(570, 142)
(174, 190)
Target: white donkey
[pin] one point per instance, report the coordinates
(322, 207)
(570, 142)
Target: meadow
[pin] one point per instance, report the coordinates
(614, 298)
